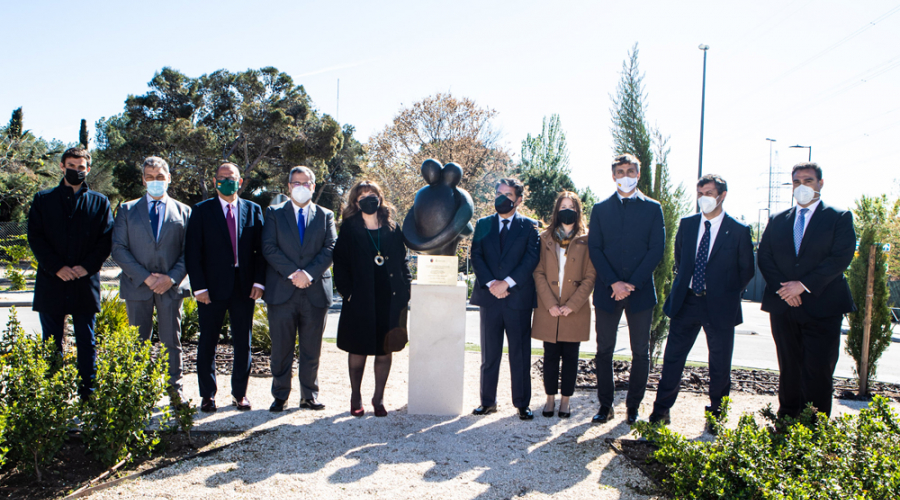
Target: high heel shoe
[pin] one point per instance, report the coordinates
(357, 412)
(380, 411)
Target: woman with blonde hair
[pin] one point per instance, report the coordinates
(564, 280)
(372, 276)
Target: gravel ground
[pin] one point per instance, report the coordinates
(329, 454)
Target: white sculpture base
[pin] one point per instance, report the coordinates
(437, 347)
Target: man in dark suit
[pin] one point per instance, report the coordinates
(803, 254)
(505, 252)
(626, 240)
(148, 244)
(297, 242)
(70, 232)
(223, 255)
(713, 264)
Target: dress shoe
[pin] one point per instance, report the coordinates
(485, 410)
(564, 414)
(311, 404)
(546, 413)
(242, 404)
(660, 418)
(605, 414)
(357, 412)
(380, 411)
(208, 405)
(525, 413)
(633, 416)
(278, 405)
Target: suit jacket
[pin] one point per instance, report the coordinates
(729, 268)
(282, 249)
(208, 255)
(577, 285)
(626, 244)
(69, 229)
(825, 253)
(139, 254)
(517, 260)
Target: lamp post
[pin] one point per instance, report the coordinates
(804, 147)
(704, 48)
(771, 141)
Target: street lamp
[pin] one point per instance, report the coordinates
(804, 147)
(704, 48)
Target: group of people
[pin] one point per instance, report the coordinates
(527, 285)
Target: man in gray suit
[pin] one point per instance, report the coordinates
(148, 244)
(297, 241)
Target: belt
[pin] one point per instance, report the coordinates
(697, 294)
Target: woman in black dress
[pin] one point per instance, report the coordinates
(372, 276)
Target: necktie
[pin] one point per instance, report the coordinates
(799, 227)
(699, 281)
(154, 219)
(232, 231)
(301, 225)
(503, 231)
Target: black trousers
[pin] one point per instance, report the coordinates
(211, 316)
(683, 331)
(54, 325)
(639, 334)
(517, 325)
(808, 350)
(568, 353)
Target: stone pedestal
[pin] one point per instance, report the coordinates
(437, 344)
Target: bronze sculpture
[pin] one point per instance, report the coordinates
(440, 214)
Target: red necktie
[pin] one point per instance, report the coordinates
(232, 231)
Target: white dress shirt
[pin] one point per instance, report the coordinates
(162, 210)
(715, 224)
(511, 282)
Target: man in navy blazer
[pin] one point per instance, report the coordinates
(802, 256)
(713, 265)
(505, 252)
(626, 240)
(223, 256)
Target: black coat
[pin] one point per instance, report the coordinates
(825, 253)
(517, 260)
(66, 228)
(354, 278)
(626, 244)
(208, 256)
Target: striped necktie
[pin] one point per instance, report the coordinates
(799, 228)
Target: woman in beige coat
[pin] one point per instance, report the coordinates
(564, 280)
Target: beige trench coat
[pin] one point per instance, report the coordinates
(578, 283)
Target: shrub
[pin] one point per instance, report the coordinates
(260, 339)
(184, 414)
(112, 317)
(851, 456)
(190, 320)
(127, 386)
(37, 388)
(15, 254)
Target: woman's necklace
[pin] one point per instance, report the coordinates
(379, 260)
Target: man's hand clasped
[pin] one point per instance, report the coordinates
(790, 292)
(621, 290)
(500, 289)
(300, 280)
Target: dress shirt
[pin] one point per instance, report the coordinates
(162, 210)
(236, 214)
(511, 282)
(632, 196)
(715, 224)
(305, 224)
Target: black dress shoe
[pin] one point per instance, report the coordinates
(546, 413)
(208, 405)
(605, 414)
(525, 413)
(660, 418)
(564, 414)
(278, 405)
(242, 404)
(485, 410)
(311, 404)
(633, 416)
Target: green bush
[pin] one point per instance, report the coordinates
(36, 389)
(190, 320)
(127, 386)
(184, 414)
(15, 254)
(851, 456)
(112, 317)
(260, 339)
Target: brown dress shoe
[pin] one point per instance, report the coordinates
(208, 405)
(243, 404)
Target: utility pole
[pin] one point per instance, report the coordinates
(771, 141)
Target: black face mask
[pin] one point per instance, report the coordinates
(75, 177)
(369, 205)
(567, 216)
(503, 205)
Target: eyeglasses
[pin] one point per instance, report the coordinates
(295, 184)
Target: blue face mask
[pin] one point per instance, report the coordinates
(157, 188)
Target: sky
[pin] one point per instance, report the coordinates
(815, 73)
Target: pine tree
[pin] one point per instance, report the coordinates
(629, 128)
(15, 130)
(83, 134)
(544, 168)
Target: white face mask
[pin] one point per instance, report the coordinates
(804, 194)
(157, 188)
(626, 184)
(707, 204)
(301, 194)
